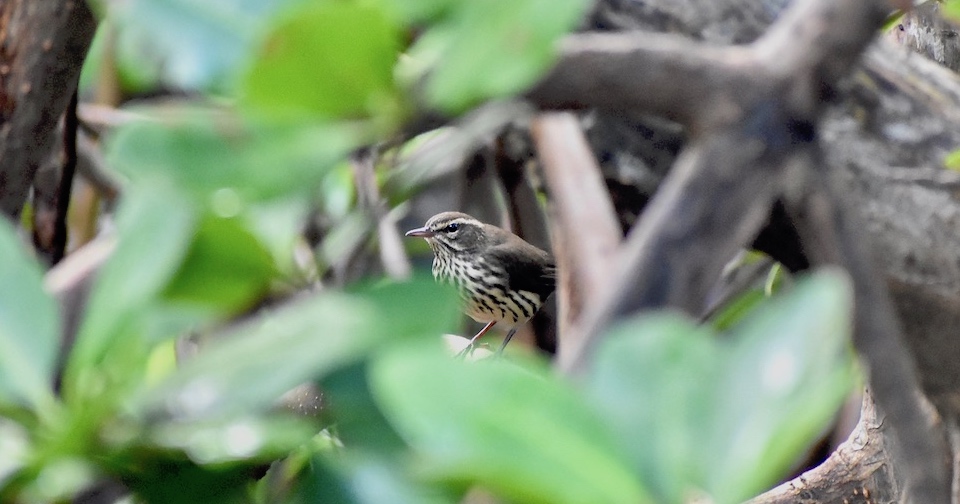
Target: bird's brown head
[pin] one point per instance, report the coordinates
(452, 232)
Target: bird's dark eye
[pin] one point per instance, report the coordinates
(451, 227)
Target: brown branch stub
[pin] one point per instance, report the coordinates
(42, 50)
(860, 470)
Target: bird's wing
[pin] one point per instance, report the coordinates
(532, 271)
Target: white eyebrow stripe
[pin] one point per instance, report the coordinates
(458, 220)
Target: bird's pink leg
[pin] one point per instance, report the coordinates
(469, 348)
(482, 331)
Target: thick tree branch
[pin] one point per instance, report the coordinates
(757, 137)
(649, 73)
(42, 48)
(832, 234)
(815, 43)
(858, 471)
(706, 210)
(580, 204)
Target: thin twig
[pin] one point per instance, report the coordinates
(392, 255)
(66, 179)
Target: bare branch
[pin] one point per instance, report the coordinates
(822, 39)
(858, 469)
(580, 204)
(92, 166)
(707, 209)
(392, 255)
(641, 72)
(832, 234)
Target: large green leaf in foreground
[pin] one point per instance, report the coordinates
(519, 432)
(249, 368)
(728, 416)
(29, 327)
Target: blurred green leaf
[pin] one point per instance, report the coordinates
(493, 48)
(244, 439)
(356, 478)
(777, 278)
(652, 381)
(515, 431)
(351, 406)
(331, 59)
(155, 228)
(952, 160)
(226, 164)
(728, 417)
(951, 10)
(15, 450)
(415, 11)
(59, 479)
(29, 326)
(735, 311)
(789, 373)
(317, 481)
(252, 367)
(226, 267)
(375, 469)
(190, 44)
(162, 477)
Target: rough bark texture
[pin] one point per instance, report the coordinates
(897, 118)
(925, 31)
(869, 480)
(867, 191)
(42, 48)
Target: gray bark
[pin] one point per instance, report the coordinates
(885, 200)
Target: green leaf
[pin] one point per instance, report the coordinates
(515, 431)
(416, 11)
(789, 373)
(652, 381)
(727, 416)
(952, 160)
(351, 406)
(60, 479)
(734, 312)
(163, 477)
(190, 44)
(494, 48)
(330, 59)
(226, 267)
(250, 368)
(951, 10)
(225, 164)
(245, 439)
(155, 228)
(357, 478)
(29, 326)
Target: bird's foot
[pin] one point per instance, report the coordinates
(467, 351)
(474, 351)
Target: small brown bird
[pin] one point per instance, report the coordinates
(500, 277)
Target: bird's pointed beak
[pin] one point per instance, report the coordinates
(420, 231)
